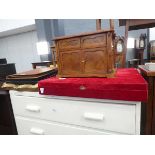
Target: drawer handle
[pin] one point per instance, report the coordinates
(94, 116)
(37, 131)
(33, 108)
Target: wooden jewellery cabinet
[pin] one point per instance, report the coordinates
(86, 55)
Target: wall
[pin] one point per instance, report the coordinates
(48, 29)
(9, 24)
(136, 34)
(20, 49)
(152, 34)
(74, 26)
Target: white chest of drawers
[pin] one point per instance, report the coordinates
(39, 114)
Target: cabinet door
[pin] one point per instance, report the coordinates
(70, 63)
(95, 61)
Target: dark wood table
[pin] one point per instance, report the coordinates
(7, 121)
(43, 63)
(150, 105)
(133, 63)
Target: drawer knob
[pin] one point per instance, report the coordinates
(37, 131)
(33, 108)
(94, 116)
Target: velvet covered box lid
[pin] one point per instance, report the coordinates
(127, 85)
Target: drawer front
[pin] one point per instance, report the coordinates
(27, 126)
(105, 116)
(69, 44)
(93, 41)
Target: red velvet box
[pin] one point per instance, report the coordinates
(127, 85)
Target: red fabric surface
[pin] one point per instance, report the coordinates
(127, 85)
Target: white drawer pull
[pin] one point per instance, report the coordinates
(36, 131)
(33, 108)
(94, 116)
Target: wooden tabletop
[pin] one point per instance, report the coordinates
(146, 71)
(33, 73)
(43, 62)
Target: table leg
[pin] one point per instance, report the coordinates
(153, 106)
(149, 106)
(33, 66)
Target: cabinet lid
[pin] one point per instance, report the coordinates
(83, 34)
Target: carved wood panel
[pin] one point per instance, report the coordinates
(94, 41)
(69, 44)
